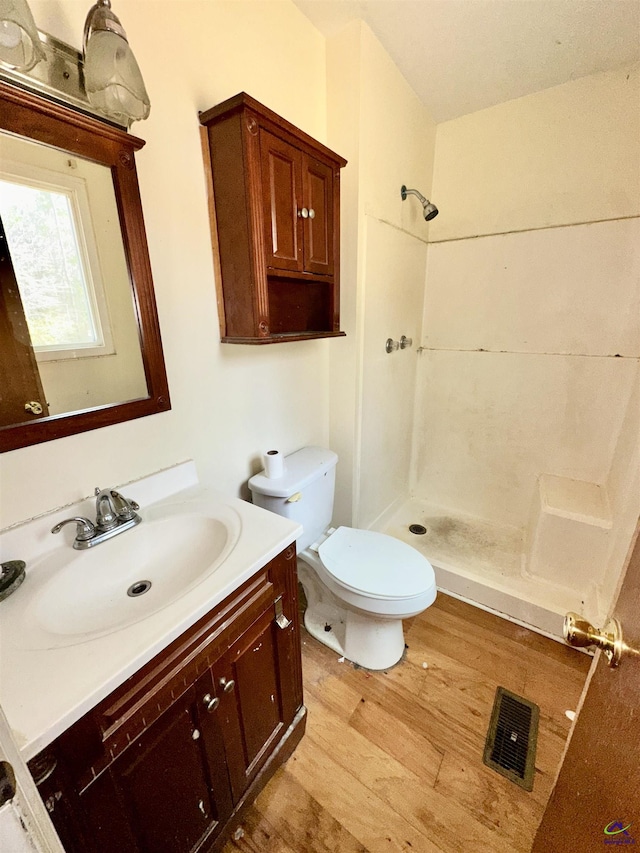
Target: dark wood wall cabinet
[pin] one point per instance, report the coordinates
(275, 211)
(166, 763)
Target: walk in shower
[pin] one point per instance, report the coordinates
(511, 431)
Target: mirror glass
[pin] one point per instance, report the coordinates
(79, 337)
(63, 249)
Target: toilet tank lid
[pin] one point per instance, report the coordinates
(300, 468)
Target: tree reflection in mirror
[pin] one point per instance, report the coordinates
(51, 270)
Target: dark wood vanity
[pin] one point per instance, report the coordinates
(275, 210)
(166, 763)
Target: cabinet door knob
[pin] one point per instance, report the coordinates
(312, 213)
(210, 702)
(227, 686)
(304, 213)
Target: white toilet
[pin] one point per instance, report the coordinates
(359, 585)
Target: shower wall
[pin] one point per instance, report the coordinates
(395, 269)
(531, 334)
(377, 122)
(531, 343)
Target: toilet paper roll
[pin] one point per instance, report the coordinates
(273, 462)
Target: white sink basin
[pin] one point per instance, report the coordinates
(80, 595)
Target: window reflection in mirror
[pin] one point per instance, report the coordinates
(52, 271)
(65, 251)
(114, 371)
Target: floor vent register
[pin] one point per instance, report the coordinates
(510, 748)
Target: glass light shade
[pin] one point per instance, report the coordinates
(20, 47)
(112, 78)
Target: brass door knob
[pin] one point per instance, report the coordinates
(580, 633)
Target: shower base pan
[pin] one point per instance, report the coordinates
(483, 564)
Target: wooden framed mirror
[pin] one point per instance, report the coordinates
(80, 343)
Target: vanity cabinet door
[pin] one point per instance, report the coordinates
(251, 710)
(257, 703)
(169, 790)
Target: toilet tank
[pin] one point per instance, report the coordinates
(304, 493)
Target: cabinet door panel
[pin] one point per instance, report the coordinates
(253, 710)
(318, 237)
(281, 189)
(163, 788)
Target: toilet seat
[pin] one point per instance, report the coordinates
(375, 565)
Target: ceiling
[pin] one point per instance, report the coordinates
(460, 56)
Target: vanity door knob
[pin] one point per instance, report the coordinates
(304, 213)
(210, 702)
(34, 407)
(312, 213)
(227, 686)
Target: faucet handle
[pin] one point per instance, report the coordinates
(124, 508)
(84, 530)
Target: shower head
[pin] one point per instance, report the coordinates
(429, 209)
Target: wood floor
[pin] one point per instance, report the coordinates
(393, 761)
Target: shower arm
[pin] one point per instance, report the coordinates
(404, 192)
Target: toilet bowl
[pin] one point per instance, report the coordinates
(359, 584)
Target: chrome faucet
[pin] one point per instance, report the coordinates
(114, 514)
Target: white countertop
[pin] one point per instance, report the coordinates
(43, 691)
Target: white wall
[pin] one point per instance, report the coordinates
(389, 135)
(229, 402)
(531, 331)
(564, 155)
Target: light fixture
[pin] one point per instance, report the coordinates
(105, 81)
(20, 47)
(429, 209)
(112, 78)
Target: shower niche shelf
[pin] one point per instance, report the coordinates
(274, 199)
